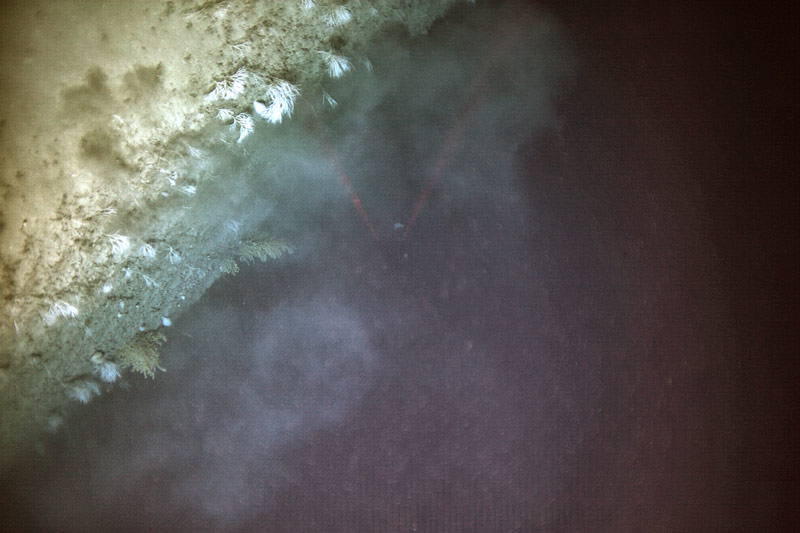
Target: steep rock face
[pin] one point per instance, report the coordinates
(124, 132)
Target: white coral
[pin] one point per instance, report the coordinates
(281, 96)
(173, 257)
(224, 115)
(84, 390)
(106, 370)
(196, 152)
(337, 65)
(147, 251)
(241, 50)
(232, 226)
(230, 87)
(57, 310)
(239, 80)
(337, 16)
(328, 99)
(119, 243)
(222, 91)
(245, 123)
(171, 178)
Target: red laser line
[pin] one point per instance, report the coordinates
(444, 158)
(348, 186)
(476, 94)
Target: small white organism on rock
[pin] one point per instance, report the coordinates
(229, 88)
(239, 79)
(337, 16)
(222, 91)
(196, 152)
(150, 282)
(337, 65)
(224, 115)
(106, 370)
(307, 4)
(267, 112)
(232, 226)
(54, 423)
(173, 257)
(328, 99)
(84, 390)
(245, 123)
(188, 190)
(147, 251)
(119, 243)
(57, 310)
(171, 178)
(241, 50)
(281, 96)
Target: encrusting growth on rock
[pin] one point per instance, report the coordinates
(141, 353)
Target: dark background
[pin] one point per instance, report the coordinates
(722, 84)
(601, 340)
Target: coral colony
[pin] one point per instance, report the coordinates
(147, 251)
(119, 243)
(337, 16)
(229, 88)
(337, 65)
(281, 96)
(106, 370)
(245, 124)
(278, 101)
(84, 390)
(57, 310)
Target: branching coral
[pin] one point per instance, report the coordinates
(141, 353)
(281, 96)
(57, 310)
(264, 250)
(337, 65)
